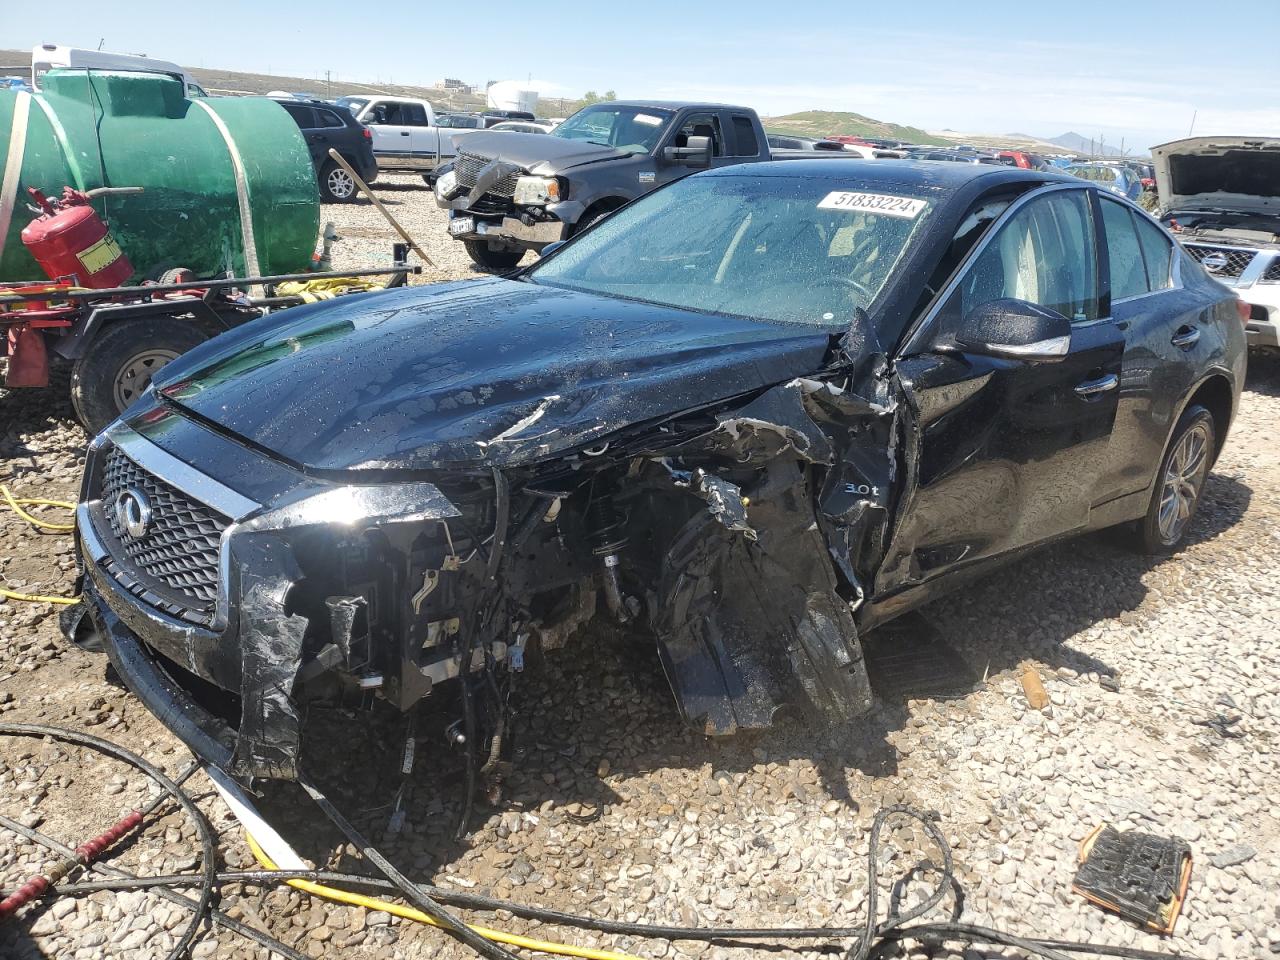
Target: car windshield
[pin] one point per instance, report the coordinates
(630, 129)
(795, 250)
(352, 103)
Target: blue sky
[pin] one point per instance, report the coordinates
(1121, 69)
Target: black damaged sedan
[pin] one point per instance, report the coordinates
(750, 416)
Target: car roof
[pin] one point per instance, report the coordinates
(947, 176)
(670, 105)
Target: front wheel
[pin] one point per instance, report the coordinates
(502, 259)
(119, 363)
(336, 185)
(1180, 483)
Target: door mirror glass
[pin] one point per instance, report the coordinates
(695, 153)
(1014, 330)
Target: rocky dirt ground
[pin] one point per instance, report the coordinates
(615, 809)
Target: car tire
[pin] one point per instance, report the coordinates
(590, 220)
(118, 364)
(336, 185)
(1184, 469)
(504, 259)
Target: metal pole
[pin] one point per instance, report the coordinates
(364, 188)
(193, 285)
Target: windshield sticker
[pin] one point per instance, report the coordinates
(906, 207)
(648, 119)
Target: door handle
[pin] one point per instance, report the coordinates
(1186, 337)
(1091, 388)
(404, 133)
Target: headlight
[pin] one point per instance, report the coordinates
(535, 191)
(446, 183)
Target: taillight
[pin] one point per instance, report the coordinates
(1244, 310)
(368, 134)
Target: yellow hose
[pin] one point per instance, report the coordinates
(34, 501)
(409, 913)
(15, 505)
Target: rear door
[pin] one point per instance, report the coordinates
(1171, 335)
(304, 115)
(1009, 452)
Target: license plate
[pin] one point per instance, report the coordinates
(460, 225)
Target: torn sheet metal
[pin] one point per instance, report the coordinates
(747, 627)
(271, 653)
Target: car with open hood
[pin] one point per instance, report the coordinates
(1221, 197)
(748, 418)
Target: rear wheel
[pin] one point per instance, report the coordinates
(119, 363)
(1180, 483)
(336, 185)
(502, 259)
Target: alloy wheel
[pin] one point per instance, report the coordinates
(340, 183)
(1184, 477)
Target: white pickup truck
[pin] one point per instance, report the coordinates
(408, 137)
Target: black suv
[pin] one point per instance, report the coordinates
(325, 125)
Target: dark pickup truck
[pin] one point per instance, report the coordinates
(511, 192)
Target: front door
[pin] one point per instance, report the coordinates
(400, 133)
(1009, 453)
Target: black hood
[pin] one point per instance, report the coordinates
(477, 372)
(539, 153)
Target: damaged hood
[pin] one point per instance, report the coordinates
(477, 372)
(539, 153)
(1234, 174)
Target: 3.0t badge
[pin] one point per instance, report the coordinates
(133, 513)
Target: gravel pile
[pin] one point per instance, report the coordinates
(1164, 688)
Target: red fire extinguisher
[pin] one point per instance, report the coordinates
(69, 240)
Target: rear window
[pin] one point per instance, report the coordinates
(329, 119)
(302, 114)
(744, 135)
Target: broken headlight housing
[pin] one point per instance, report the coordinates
(537, 191)
(446, 185)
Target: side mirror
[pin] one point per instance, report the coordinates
(551, 248)
(1015, 330)
(697, 153)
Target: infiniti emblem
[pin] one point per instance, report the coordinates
(133, 513)
(1214, 262)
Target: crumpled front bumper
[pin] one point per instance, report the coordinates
(253, 648)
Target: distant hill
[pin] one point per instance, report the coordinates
(826, 123)
(1074, 142)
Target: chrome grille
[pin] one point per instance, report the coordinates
(468, 166)
(1273, 272)
(174, 564)
(1221, 261)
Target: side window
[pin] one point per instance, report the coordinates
(1045, 255)
(1128, 275)
(744, 137)
(302, 115)
(1157, 251)
(414, 115)
(328, 118)
(701, 125)
(444, 122)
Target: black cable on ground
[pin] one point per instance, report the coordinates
(127, 881)
(208, 875)
(483, 946)
(473, 901)
(873, 940)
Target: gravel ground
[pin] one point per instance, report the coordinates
(615, 809)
